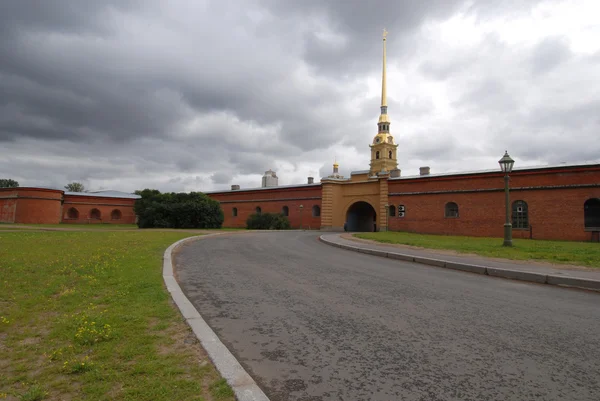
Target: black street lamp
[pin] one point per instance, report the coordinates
(301, 207)
(506, 165)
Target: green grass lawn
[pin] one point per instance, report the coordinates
(4, 226)
(565, 252)
(93, 227)
(85, 316)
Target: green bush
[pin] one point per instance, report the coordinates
(177, 210)
(267, 221)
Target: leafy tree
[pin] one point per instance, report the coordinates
(177, 210)
(75, 187)
(8, 183)
(267, 221)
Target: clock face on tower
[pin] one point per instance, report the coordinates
(377, 140)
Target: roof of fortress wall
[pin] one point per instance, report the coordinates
(409, 177)
(95, 194)
(32, 189)
(105, 194)
(317, 184)
(521, 168)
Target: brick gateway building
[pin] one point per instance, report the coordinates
(551, 202)
(559, 202)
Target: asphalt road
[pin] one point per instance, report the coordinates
(313, 322)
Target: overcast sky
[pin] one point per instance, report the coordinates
(196, 95)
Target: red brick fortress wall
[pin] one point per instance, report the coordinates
(272, 200)
(555, 200)
(8, 205)
(25, 205)
(97, 209)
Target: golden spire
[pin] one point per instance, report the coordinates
(383, 148)
(383, 77)
(383, 117)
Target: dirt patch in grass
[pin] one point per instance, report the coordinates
(30, 341)
(183, 340)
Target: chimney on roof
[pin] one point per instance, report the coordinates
(423, 170)
(395, 173)
(311, 180)
(235, 187)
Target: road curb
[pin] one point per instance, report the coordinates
(243, 385)
(517, 275)
(532, 277)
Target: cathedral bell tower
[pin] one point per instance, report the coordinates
(383, 148)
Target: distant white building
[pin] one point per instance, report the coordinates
(269, 179)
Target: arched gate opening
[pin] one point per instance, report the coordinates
(361, 217)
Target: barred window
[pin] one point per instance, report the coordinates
(591, 213)
(234, 212)
(451, 209)
(316, 211)
(392, 211)
(73, 213)
(520, 214)
(258, 210)
(285, 211)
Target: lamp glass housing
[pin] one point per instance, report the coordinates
(506, 163)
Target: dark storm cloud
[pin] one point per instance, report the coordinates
(491, 95)
(57, 86)
(221, 178)
(568, 117)
(552, 134)
(439, 71)
(194, 93)
(90, 91)
(357, 22)
(549, 53)
(60, 76)
(80, 110)
(60, 15)
(444, 68)
(486, 9)
(412, 106)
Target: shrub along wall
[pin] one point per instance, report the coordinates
(177, 210)
(267, 221)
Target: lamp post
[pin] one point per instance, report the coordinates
(301, 207)
(506, 165)
(387, 214)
